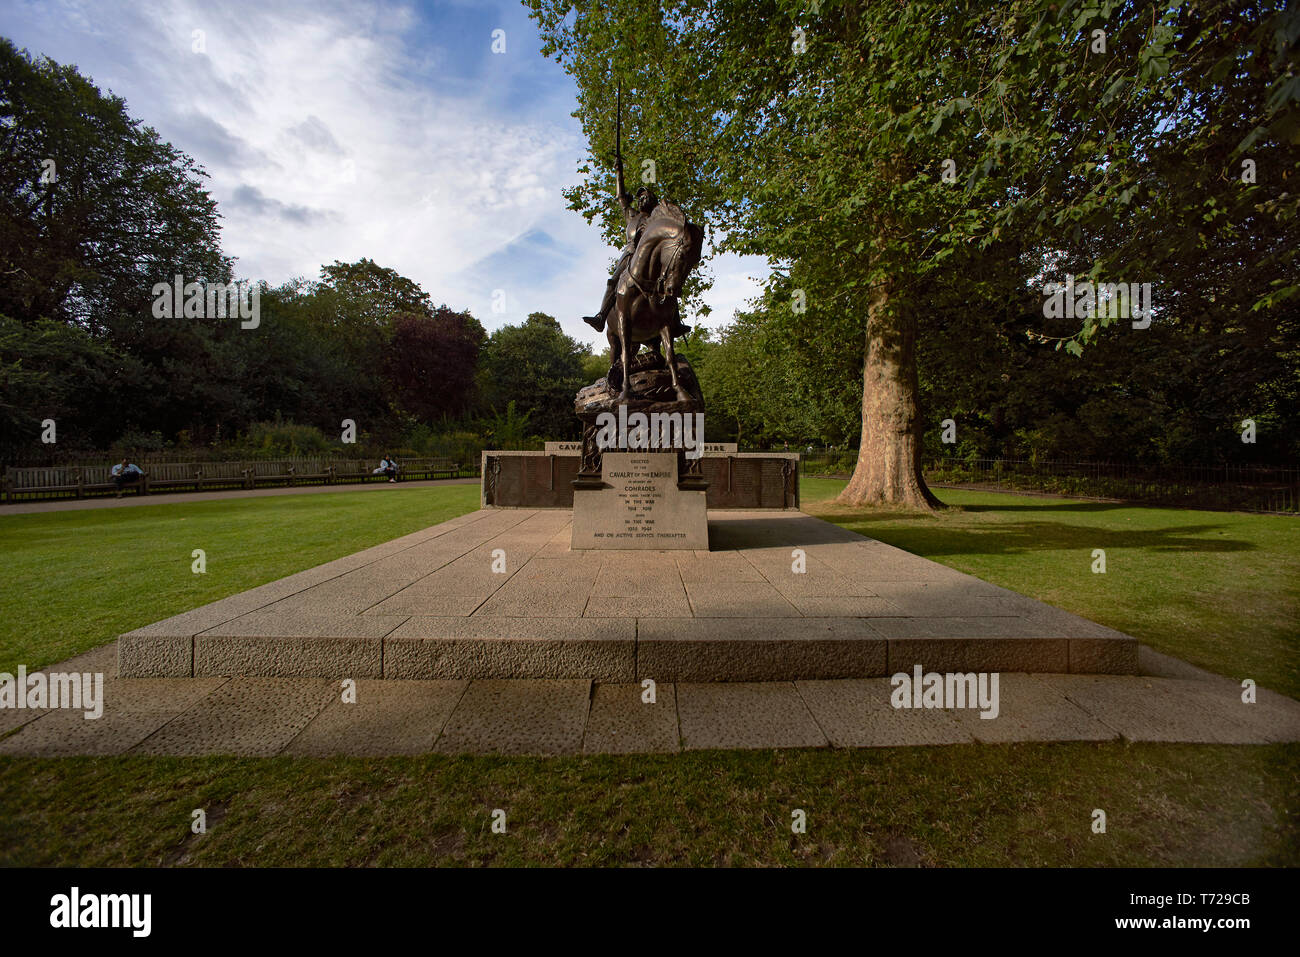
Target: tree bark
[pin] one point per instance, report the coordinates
(888, 471)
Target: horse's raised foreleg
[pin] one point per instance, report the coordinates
(666, 336)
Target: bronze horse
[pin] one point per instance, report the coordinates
(646, 307)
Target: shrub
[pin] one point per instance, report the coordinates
(272, 439)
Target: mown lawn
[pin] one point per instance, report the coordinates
(74, 580)
(966, 805)
(1217, 589)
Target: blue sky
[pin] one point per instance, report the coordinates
(336, 130)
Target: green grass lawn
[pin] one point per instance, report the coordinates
(1218, 589)
(74, 580)
(966, 805)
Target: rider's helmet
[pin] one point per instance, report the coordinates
(645, 199)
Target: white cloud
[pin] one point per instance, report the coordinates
(330, 132)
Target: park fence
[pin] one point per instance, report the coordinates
(93, 479)
(1248, 488)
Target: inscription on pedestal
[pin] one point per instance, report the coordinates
(640, 507)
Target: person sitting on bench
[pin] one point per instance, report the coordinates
(388, 466)
(126, 473)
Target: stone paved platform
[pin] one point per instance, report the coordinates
(1169, 702)
(500, 595)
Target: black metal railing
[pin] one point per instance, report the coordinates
(1251, 488)
(1254, 488)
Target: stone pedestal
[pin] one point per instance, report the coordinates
(640, 504)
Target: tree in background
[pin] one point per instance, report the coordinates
(538, 367)
(54, 370)
(373, 294)
(94, 207)
(870, 150)
(431, 363)
(595, 365)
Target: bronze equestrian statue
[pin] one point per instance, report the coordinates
(641, 297)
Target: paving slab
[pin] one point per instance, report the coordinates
(132, 709)
(336, 597)
(525, 599)
(1169, 709)
(518, 717)
(101, 660)
(577, 566)
(1271, 717)
(842, 606)
(739, 600)
(1030, 709)
(1057, 622)
(735, 528)
(168, 695)
(472, 575)
(645, 607)
(418, 600)
(1275, 717)
(617, 582)
(621, 721)
(858, 714)
(388, 717)
(963, 597)
(877, 563)
(744, 715)
(719, 566)
(247, 716)
(64, 733)
(11, 718)
(812, 584)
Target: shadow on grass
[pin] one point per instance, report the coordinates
(1020, 537)
(1053, 506)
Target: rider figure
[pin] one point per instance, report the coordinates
(637, 211)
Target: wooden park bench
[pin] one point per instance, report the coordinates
(99, 478)
(80, 481)
(428, 469)
(54, 481)
(85, 480)
(311, 471)
(219, 475)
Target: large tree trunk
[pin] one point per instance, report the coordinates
(889, 460)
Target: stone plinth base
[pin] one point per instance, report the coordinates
(433, 605)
